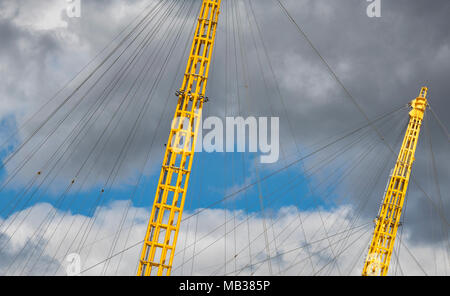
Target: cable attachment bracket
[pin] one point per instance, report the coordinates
(203, 98)
(179, 93)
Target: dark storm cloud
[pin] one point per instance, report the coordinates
(383, 62)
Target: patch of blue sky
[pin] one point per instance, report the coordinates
(218, 181)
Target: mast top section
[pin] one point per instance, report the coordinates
(419, 104)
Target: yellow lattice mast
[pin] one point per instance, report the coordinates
(388, 220)
(162, 232)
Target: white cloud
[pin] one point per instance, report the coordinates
(33, 16)
(208, 243)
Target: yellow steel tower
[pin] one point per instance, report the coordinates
(162, 232)
(388, 219)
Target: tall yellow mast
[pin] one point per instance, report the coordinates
(388, 220)
(162, 232)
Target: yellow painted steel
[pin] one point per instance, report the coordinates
(388, 219)
(162, 232)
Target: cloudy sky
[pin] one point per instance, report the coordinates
(312, 216)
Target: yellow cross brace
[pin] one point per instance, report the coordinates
(388, 219)
(162, 232)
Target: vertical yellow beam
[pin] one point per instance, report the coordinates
(387, 222)
(162, 232)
